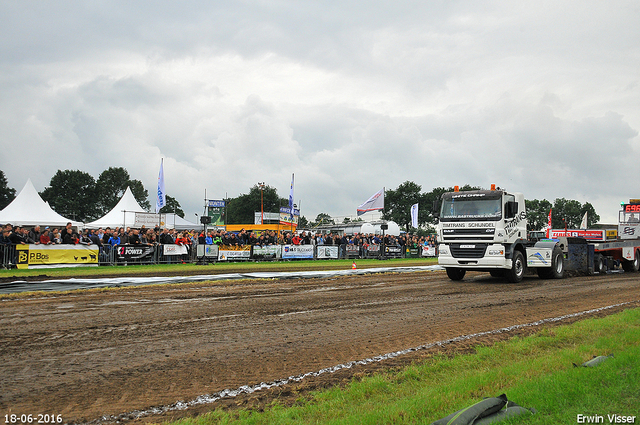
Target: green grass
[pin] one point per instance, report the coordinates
(534, 371)
(221, 267)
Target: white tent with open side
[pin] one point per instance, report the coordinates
(28, 209)
(122, 215)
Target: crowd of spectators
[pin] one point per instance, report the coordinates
(108, 238)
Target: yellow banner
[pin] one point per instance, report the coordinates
(51, 255)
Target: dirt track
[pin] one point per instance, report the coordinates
(89, 354)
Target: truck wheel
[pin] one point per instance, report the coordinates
(557, 264)
(601, 268)
(556, 271)
(515, 274)
(455, 274)
(631, 266)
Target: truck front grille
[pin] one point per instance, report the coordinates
(482, 234)
(470, 250)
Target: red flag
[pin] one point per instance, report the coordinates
(549, 223)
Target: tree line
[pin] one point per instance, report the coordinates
(398, 202)
(77, 195)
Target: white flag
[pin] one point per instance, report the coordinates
(161, 198)
(375, 203)
(414, 215)
(583, 225)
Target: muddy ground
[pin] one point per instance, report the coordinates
(89, 355)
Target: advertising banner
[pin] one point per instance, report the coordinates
(228, 252)
(134, 252)
(351, 251)
(215, 210)
(269, 252)
(327, 252)
(40, 256)
(149, 220)
(207, 251)
(429, 251)
(297, 251)
(174, 250)
(285, 216)
(393, 251)
(590, 235)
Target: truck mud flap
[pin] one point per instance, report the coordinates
(580, 257)
(487, 411)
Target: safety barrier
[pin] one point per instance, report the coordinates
(32, 256)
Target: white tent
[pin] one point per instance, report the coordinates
(174, 221)
(28, 209)
(122, 215)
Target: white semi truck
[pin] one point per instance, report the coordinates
(486, 230)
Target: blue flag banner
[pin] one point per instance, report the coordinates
(161, 198)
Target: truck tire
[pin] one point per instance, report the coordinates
(556, 271)
(633, 265)
(455, 274)
(515, 274)
(600, 264)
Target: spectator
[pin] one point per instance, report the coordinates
(69, 237)
(34, 235)
(44, 237)
(56, 237)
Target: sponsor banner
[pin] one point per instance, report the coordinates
(269, 251)
(351, 250)
(207, 251)
(628, 231)
(297, 251)
(33, 256)
(590, 235)
(134, 252)
(393, 251)
(285, 216)
(227, 252)
(326, 251)
(215, 210)
(149, 220)
(429, 251)
(174, 250)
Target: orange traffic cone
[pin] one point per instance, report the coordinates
(353, 265)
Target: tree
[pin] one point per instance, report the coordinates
(72, 194)
(397, 204)
(241, 210)
(537, 213)
(111, 185)
(303, 223)
(323, 218)
(7, 194)
(570, 212)
(172, 206)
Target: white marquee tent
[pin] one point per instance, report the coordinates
(28, 209)
(122, 215)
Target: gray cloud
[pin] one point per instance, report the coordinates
(539, 98)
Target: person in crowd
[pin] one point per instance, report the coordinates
(134, 237)
(34, 235)
(69, 238)
(56, 236)
(45, 239)
(114, 239)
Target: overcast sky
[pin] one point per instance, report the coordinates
(538, 97)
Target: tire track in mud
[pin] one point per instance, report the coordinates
(117, 352)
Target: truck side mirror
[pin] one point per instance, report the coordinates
(510, 209)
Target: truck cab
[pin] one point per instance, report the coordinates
(486, 230)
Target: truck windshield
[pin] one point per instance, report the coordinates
(471, 207)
